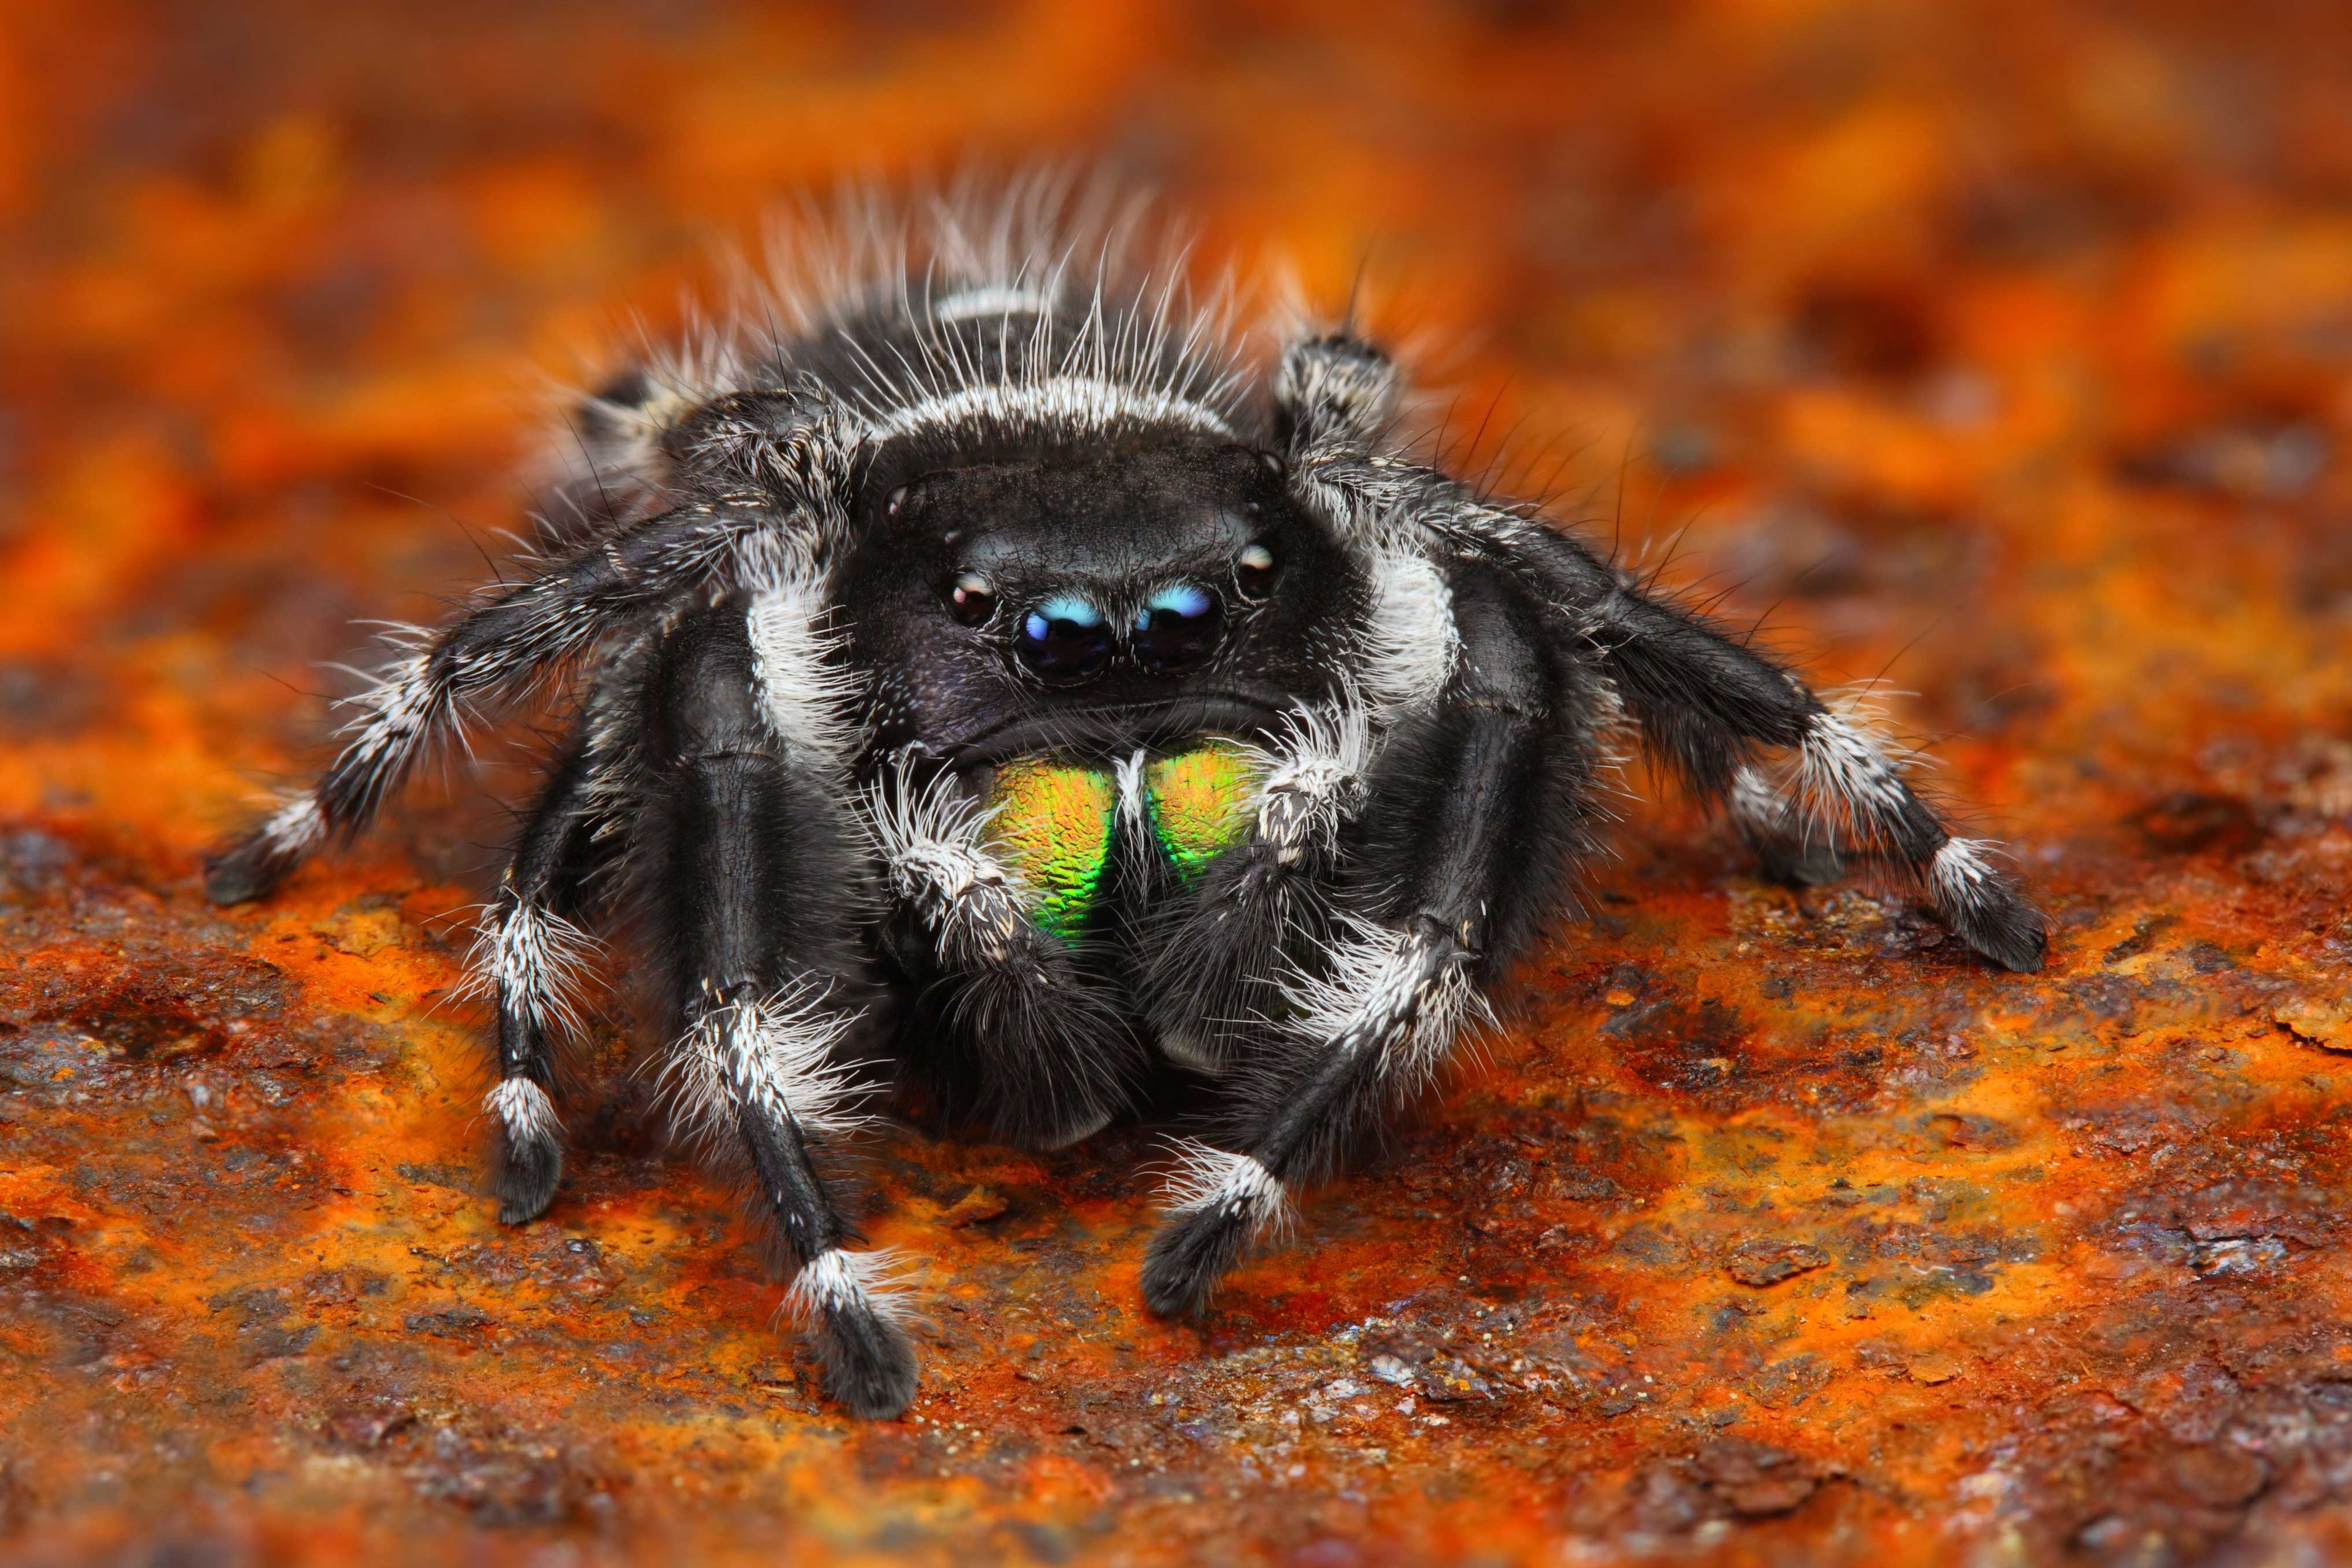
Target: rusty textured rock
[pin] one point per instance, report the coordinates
(2002, 349)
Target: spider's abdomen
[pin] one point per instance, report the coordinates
(1060, 826)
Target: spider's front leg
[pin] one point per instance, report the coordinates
(1478, 808)
(754, 874)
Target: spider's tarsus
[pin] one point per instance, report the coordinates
(1798, 865)
(869, 1366)
(1189, 1255)
(244, 869)
(524, 1172)
(2012, 934)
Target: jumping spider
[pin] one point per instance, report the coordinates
(991, 689)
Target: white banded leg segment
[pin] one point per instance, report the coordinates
(838, 1280)
(777, 1056)
(530, 960)
(1313, 781)
(1972, 894)
(1405, 994)
(1231, 1186)
(524, 1112)
(1850, 792)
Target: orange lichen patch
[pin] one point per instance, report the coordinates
(2002, 348)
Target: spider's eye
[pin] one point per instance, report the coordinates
(1177, 627)
(973, 599)
(1065, 638)
(1254, 573)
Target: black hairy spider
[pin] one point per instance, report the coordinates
(989, 687)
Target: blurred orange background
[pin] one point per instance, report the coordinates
(1999, 349)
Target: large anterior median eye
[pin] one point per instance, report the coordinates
(1065, 638)
(1178, 626)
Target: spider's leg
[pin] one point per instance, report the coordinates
(753, 870)
(1060, 1057)
(1706, 704)
(489, 652)
(778, 466)
(1711, 707)
(1479, 807)
(529, 950)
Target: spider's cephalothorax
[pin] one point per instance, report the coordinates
(988, 689)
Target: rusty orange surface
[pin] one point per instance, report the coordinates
(1999, 349)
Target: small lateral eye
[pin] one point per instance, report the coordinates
(1253, 572)
(895, 498)
(973, 599)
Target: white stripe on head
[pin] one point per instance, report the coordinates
(1076, 403)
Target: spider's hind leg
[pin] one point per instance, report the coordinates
(1712, 707)
(527, 956)
(754, 876)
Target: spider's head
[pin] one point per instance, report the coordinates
(1094, 603)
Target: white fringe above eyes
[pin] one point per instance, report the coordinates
(1068, 402)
